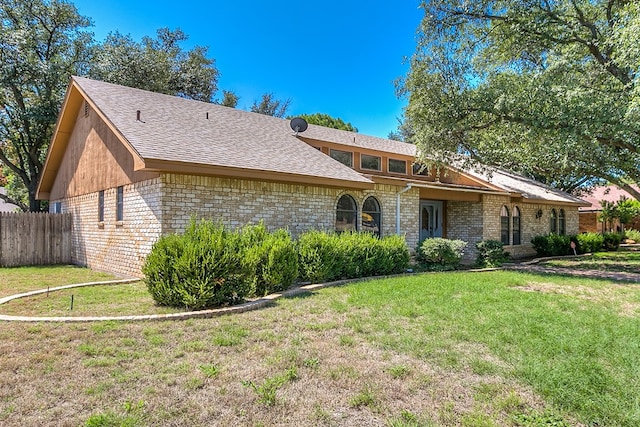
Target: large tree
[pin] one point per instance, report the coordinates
(156, 64)
(41, 44)
(326, 120)
(545, 88)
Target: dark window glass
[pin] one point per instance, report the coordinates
(553, 221)
(344, 157)
(346, 214)
(371, 216)
(119, 204)
(562, 223)
(397, 166)
(370, 162)
(419, 169)
(516, 226)
(504, 225)
(101, 206)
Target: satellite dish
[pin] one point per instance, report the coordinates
(298, 124)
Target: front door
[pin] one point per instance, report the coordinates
(430, 219)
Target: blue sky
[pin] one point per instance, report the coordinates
(335, 57)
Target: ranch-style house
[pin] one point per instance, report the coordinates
(131, 165)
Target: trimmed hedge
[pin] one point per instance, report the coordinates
(552, 245)
(330, 256)
(201, 268)
(211, 266)
(555, 245)
(491, 253)
(440, 254)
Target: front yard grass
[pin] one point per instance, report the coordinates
(470, 349)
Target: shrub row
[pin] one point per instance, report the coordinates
(555, 245)
(211, 266)
(327, 256)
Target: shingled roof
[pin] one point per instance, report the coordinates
(192, 132)
(169, 133)
(526, 187)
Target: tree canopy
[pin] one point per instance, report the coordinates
(326, 120)
(156, 64)
(42, 44)
(545, 88)
(270, 106)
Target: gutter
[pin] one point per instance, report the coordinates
(404, 190)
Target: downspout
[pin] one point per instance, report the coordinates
(404, 190)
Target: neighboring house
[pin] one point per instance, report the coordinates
(132, 165)
(590, 215)
(5, 206)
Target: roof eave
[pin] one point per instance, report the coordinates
(169, 166)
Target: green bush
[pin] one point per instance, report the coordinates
(632, 234)
(317, 255)
(491, 253)
(589, 242)
(201, 268)
(440, 254)
(272, 257)
(330, 256)
(552, 245)
(611, 241)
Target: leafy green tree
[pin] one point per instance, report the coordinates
(545, 88)
(229, 99)
(607, 214)
(627, 210)
(158, 65)
(42, 43)
(326, 120)
(270, 106)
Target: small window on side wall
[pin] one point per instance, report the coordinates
(562, 223)
(101, 206)
(344, 157)
(371, 216)
(516, 226)
(346, 214)
(119, 204)
(504, 225)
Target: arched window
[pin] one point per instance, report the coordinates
(562, 223)
(516, 226)
(371, 216)
(504, 225)
(346, 214)
(554, 221)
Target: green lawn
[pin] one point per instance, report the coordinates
(469, 349)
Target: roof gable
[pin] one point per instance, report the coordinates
(173, 129)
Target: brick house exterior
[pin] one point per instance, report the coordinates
(132, 165)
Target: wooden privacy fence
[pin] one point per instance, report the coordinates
(34, 239)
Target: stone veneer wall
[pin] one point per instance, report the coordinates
(299, 208)
(117, 247)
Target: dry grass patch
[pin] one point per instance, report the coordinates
(624, 299)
